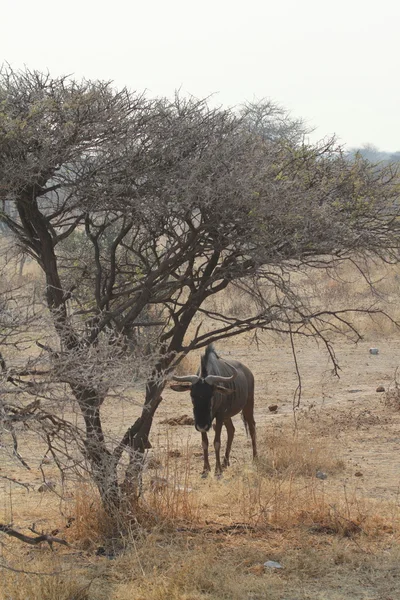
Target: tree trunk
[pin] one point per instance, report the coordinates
(102, 462)
(137, 439)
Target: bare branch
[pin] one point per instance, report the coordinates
(33, 541)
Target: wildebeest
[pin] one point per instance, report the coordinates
(221, 389)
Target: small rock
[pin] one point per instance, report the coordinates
(380, 388)
(272, 564)
(70, 521)
(174, 453)
(256, 569)
(101, 551)
(273, 407)
(46, 487)
(321, 475)
(373, 351)
(153, 463)
(358, 474)
(183, 488)
(158, 483)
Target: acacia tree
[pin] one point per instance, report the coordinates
(140, 211)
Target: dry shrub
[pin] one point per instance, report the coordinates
(166, 500)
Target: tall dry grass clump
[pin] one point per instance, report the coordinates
(166, 500)
(297, 452)
(169, 497)
(91, 524)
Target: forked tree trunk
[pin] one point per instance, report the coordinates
(137, 440)
(102, 462)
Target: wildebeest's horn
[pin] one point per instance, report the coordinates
(191, 378)
(212, 379)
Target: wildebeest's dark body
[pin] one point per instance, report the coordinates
(221, 389)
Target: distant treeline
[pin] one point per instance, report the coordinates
(373, 154)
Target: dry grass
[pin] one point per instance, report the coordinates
(208, 540)
(43, 577)
(375, 286)
(91, 525)
(201, 566)
(192, 568)
(297, 452)
(280, 490)
(169, 498)
(347, 287)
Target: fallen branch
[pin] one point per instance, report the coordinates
(33, 541)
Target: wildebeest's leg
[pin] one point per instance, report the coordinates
(231, 432)
(252, 430)
(204, 443)
(217, 445)
(248, 417)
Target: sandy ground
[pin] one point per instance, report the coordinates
(348, 408)
(367, 431)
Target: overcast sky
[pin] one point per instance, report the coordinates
(336, 64)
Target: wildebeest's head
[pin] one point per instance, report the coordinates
(202, 391)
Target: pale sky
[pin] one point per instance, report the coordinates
(336, 64)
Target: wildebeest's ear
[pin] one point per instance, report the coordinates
(181, 387)
(223, 390)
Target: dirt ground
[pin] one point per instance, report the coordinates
(365, 431)
(356, 415)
